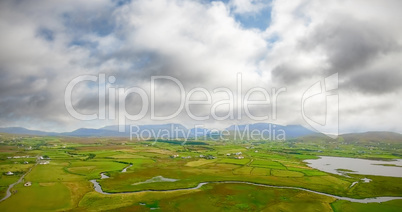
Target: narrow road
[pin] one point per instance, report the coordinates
(8, 192)
(248, 164)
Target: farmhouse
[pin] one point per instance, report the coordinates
(209, 157)
(366, 180)
(44, 162)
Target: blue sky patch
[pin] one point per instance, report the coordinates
(46, 34)
(260, 20)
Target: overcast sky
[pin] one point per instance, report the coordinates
(293, 44)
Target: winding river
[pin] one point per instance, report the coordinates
(99, 189)
(125, 169)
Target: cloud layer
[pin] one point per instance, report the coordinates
(290, 44)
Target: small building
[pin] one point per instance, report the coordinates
(27, 184)
(9, 173)
(174, 156)
(26, 162)
(209, 157)
(202, 156)
(256, 151)
(228, 154)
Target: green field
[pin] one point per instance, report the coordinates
(63, 184)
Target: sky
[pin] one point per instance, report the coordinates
(350, 48)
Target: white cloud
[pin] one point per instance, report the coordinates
(202, 44)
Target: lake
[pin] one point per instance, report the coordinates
(358, 166)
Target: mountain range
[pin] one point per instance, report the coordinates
(179, 131)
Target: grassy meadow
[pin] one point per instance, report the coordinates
(63, 184)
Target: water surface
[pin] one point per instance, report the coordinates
(125, 169)
(358, 166)
(157, 179)
(98, 188)
(104, 176)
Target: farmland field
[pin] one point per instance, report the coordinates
(157, 174)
